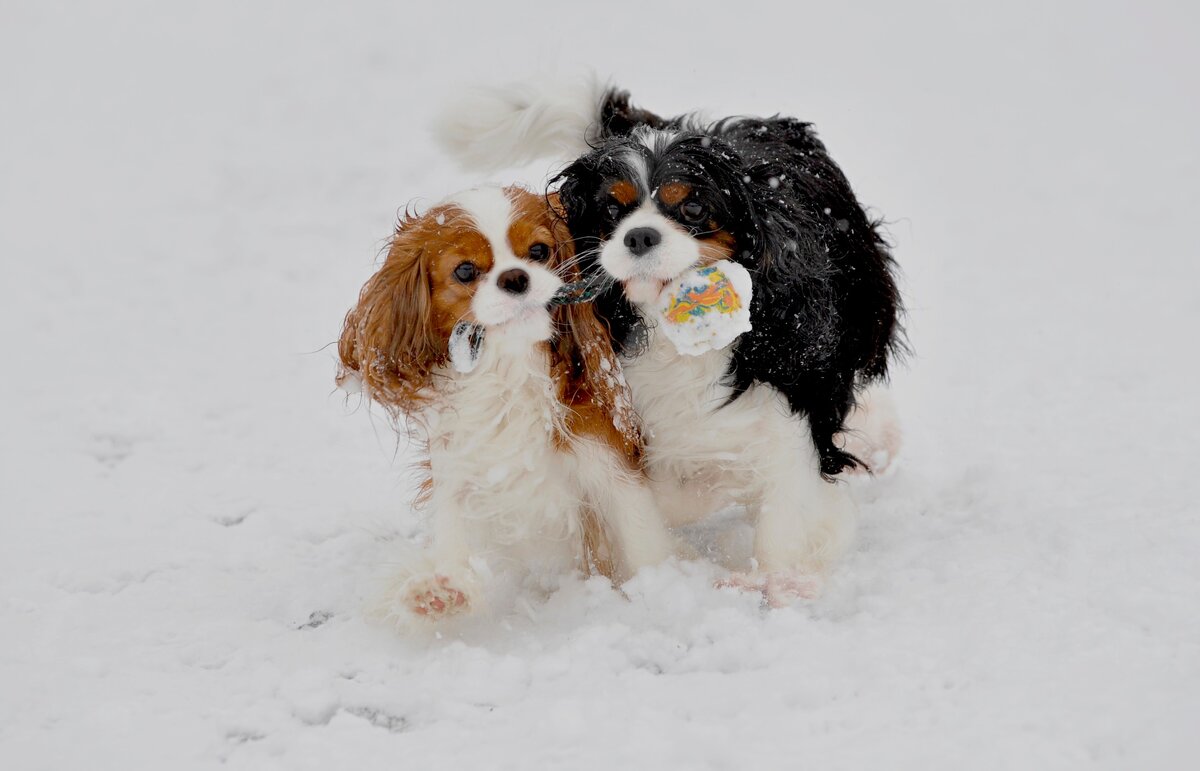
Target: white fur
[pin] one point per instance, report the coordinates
(703, 453)
(752, 451)
(491, 211)
(872, 430)
(505, 498)
(491, 128)
(654, 139)
(505, 495)
(645, 276)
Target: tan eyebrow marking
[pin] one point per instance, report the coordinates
(625, 192)
(673, 192)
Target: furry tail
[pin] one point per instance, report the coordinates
(488, 129)
(491, 128)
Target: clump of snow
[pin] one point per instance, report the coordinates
(706, 308)
(349, 382)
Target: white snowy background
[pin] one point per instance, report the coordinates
(192, 521)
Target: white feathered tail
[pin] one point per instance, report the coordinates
(493, 128)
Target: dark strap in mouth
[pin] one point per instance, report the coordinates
(578, 292)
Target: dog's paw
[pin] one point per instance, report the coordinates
(436, 596)
(779, 589)
(872, 433)
(786, 586)
(745, 582)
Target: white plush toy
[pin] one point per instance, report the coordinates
(706, 308)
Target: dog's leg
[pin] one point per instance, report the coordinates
(680, 503)
(622, 498)
(804, 523)
(641, 535)
(447, 585)
(872, 432)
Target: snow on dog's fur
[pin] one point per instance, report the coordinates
(533, 450)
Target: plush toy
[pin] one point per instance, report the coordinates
(706, 308)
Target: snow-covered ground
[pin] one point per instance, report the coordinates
(192, 520)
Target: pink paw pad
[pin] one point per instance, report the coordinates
(784, 588)
(434, 596)
(779, 589)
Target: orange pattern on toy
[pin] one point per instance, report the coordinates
(718, 294)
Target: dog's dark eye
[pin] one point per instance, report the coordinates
(539, 252)
(694, 212)
(466, 272)
(614, 211)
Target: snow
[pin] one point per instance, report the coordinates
(194, 524)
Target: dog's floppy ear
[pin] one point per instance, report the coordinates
(589, 371)
(388, 342)
(594, 377)
(575, 199)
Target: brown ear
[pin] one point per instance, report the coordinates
(388, 337)
(589, 371)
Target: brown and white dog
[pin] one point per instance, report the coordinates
(529, 424)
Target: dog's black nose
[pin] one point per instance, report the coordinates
(641, 240)
(513, 281)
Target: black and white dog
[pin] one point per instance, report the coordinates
(653, 198)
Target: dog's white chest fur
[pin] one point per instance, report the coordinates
(510, 484)
(703, 451)
(493, 455)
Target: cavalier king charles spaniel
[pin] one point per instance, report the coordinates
(757, 422)
(533, 445)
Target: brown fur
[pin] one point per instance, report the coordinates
(597, 550)
(399, 332)
(624, 192)
(673, 193)
(397, 336)
(715, 245)
(588, 369)
(534, 223)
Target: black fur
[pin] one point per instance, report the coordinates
(825, 308)
(618, 117)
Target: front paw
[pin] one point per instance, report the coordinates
(436, 596)
(779, 588)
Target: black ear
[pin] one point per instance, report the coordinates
(577, 196)
(618, 116)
